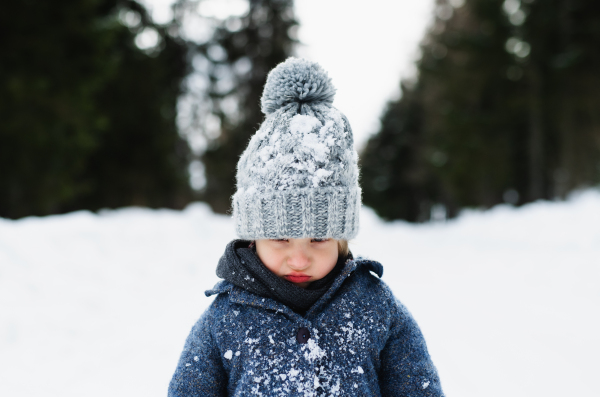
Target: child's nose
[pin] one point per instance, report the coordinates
(298, 260)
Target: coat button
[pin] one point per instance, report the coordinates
(303, 335)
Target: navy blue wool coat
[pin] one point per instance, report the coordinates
(357, 340)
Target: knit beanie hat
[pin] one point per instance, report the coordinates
(298, 176)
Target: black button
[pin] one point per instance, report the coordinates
(303, 335)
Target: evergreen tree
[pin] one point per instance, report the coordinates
(564, 86)
(87, 119)
(395, 181)
(505, 97)
(141, 159)
(473, 129)
(241, 57)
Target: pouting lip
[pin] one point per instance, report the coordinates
(297, 278)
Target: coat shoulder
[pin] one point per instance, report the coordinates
(219, 307)
(368, 277)
(369, 287)
(219, 288)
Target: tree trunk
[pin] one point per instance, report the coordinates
(536, 137)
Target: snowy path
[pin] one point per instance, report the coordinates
(97, 305)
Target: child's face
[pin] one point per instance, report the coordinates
(299, 260)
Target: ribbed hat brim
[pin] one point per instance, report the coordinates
(330, 212)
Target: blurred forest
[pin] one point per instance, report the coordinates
(87, 117)
(91, 93)
(504, 109)
(237, 58)
(101, 107)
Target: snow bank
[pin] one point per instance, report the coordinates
(96, 305)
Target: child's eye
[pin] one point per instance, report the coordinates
(319, 240)
(279, 240)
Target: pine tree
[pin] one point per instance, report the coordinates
(505, 98)
(473, 128)
(245, 56)
(562, 69)
(395, 181)
(87, 119)
(460, 152)
(141, 158)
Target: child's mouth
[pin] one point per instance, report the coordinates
(297, 278)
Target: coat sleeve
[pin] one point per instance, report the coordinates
(406, 368)
(200, 371)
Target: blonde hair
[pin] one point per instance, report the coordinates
(343, 248)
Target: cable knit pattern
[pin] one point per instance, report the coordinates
(357, 340)
(298, 176)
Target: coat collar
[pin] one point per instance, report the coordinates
(243, 297)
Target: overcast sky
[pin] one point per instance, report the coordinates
(366, 47)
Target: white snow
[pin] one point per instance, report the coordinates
(318, 149)
(303, 124)
(228, 354)
(299, 158)
(316, 382)
(313, 352)
(320, 175)
(507, 299)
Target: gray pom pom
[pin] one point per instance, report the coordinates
(296, 81)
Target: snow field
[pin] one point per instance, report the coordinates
(98, 305)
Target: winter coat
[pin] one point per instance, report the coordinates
(356, 340)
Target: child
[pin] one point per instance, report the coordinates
(296, 314)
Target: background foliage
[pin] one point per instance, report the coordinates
(87, 119)
(239, 55)
(503, 107)
(503, 110)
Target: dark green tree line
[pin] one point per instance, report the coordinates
(87, 119)
(240, 54)
(502, 110)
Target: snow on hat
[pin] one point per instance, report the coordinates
(298, 176)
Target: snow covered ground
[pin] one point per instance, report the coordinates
(100, 305)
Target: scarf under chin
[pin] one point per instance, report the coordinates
(241, 266)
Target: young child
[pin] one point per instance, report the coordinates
(297, 315)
